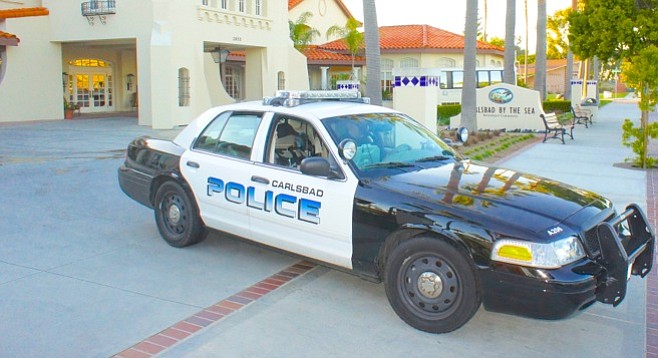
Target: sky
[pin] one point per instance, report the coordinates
(450, 15)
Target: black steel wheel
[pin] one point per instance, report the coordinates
(431, 285)
(177, 216)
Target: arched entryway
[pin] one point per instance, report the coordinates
(90, 84)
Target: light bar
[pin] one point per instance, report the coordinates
(295, 98)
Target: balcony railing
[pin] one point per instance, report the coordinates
(98, 7)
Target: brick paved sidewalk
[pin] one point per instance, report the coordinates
(652, 283)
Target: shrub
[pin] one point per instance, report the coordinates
(445, 111)
(557, 106)
(633, 137)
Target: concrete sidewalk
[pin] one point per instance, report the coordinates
(84, 273)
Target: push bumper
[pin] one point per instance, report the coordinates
(623, 257)
(555, 294)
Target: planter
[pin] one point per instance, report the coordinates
(68, 113)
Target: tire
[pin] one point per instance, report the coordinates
(431, 285)
(177, 217)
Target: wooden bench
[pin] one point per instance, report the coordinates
(581, 116)
(552, 125)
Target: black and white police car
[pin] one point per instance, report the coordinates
(366, 189)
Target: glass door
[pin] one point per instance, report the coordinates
(93, 92)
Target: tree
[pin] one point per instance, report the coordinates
(509, 73)
(486, 19)
(569, 70)
(641, 72)
(350, 33)
(497, 41)
(301, 33)
(525, 57)
(557, 31)
(371, 37)
(469, 115)
(540, 63)
(621, 29)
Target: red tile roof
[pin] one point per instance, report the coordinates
(293, 3)
(23, 12)
(7, 39)
(416, 37)
(317, 56)
(551, 65)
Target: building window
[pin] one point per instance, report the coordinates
(258, 7)
(89, 62)
(445, 62)
(204, 2)
(281, 80)
(241, 5)
(233, 82)
(408, 62)
(386, 67)
(183, 87)
(224, 4)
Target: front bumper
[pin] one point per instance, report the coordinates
(555, 294)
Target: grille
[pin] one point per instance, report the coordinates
(592, 244)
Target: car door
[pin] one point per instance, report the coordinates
(218, 167)
(307, 215)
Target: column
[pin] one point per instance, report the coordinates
(325, 85)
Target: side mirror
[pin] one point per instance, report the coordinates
(347, 149)
(316, 166)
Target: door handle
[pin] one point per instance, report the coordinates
(192, 164)
(261, 180)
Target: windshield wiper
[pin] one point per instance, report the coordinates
(389, 165)
(435, 158)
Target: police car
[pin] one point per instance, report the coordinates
(366, 189)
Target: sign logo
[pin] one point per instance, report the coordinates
(501, 95)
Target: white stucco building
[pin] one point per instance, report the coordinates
(170, 60)
(98, 54)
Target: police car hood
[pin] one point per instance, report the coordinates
(498, 195)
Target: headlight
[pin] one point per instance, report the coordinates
(551, 255)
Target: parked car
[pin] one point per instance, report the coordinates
(367, 190)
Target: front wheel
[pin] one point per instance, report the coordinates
(177, 216)
(431, 285)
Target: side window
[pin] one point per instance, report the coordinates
(292, 140)
(230, 134)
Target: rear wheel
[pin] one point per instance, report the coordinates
(177, 216)
(431, 285)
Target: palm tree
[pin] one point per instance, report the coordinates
(509, 73)
(540, 61)
(300, 33)
(371, 35)
(525, 56)
(486, 19)
(353, 38)
(569, 70)
(468, 116)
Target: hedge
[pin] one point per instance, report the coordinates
(557, 106)
(444, 112)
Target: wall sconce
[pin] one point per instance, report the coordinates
(220, 55)
(130, 80)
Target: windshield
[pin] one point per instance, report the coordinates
(388, 140)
